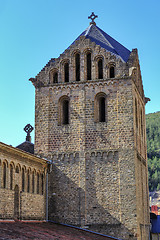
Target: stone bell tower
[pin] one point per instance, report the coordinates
(90, 121)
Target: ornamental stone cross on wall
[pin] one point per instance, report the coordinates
(93, 17)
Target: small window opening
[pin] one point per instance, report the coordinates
(77, 61)
(4, 175)
(55, 77)
(42, 184)
(136, 113)
(28, 186)
(65, 111)
(66, 72)
(17, 169)
(11, 177)
(100, 69)
(102, 109)
(88, 66)
(37, 183)
(23, 179)
(33, 182)
(112, 72)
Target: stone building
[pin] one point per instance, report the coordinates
(22, 184)
(90, 122)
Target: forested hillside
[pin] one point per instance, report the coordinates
(153, 146)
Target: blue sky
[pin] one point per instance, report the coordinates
(33, 31)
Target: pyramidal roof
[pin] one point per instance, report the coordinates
(97, 35)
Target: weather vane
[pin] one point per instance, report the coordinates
(92, 17)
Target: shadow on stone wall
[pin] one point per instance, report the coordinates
(72, 205)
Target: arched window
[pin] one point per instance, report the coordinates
(102, 110)
(4, 174)
(141, 124)
(11, 177)
(42, 179)
(33, 182)
(100, 68)
(66, 72)
(23, 179)
(77, 66)
(55, 77)
(63, 115)
(111, 72)
(136, 113)
(28, 181)
(17, 169)
(37, 183)
(89, 72)
(100, 107)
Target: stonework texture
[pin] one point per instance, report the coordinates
(21, 199)
(99, 176)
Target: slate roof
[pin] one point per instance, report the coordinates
(27, 147)
(97, 35)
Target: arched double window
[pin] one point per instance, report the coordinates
(77, 66)
(100, 108)
(63, 108)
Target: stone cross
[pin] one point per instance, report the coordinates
(92, 17)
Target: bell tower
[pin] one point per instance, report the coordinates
(90, 121)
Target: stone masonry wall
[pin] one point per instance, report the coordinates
(25, 202)
(90, 190)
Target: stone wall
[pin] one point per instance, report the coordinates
(21, 193)
(99, 172)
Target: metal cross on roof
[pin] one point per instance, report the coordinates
(92, 17)
(28, 129)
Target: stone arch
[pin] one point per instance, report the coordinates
(99, 63)
(38, 182)
(23, 178)
(88, 64)
(100, 107)
(11, 168)
(28, 179)
(53, 75)
(16, 202)
(111, 70)
(5, 173)
(33, 180)
(76, 55)
(18, 168)
(65, 70)
(64, 110)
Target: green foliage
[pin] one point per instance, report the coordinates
(153, 150)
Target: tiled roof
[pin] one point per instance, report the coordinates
(97, 35)
(30, 230)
